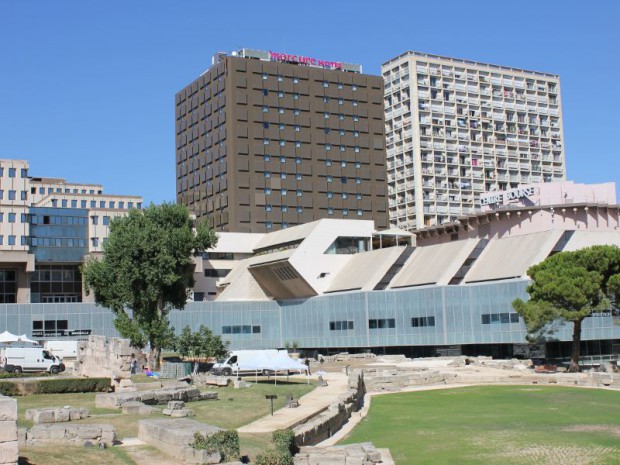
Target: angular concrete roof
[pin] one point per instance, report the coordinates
(365, 270)
(512, 256)
(434, 264)
(581, 239)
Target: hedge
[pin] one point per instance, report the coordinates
(7, 375)
(8, 388)
(282, 451)
(225, 442)
(62, 386)
(54, 386)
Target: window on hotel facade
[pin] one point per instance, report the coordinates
(325, 84)
(384, 323)
(12, 172)
(295, 80)
(340, 325)
(499, 318)
(418, 322)
(47, 328)
(241, 329)
(265, 109)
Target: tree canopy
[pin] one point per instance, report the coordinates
(202, 343)
(146, 270)
(568, 287)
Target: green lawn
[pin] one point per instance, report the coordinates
(488, 425)
(235, 408)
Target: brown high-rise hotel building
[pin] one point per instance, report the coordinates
(266, 140)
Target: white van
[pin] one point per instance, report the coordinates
(250, 362)
(22, 359)
(62, 349)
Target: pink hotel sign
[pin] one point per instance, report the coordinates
(275, 56)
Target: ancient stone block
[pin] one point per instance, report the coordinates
(8, 408)
(176, 404)
(9, 452)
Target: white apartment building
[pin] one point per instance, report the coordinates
(456, 128)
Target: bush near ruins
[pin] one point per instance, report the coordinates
(225, 442)
(54, 386)
(282, 451)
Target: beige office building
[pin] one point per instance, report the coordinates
(457, 128)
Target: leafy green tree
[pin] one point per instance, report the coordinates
(185, 343)
(146, 271)
(568, 287)
(209, 344)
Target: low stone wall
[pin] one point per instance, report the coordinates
(206, 379)
(155, 397)
(9, 450)
(354, 454)
(72, 435)
(174, 437)
(326, 423)
(347, 357)
(102, 356)
(56, 414)
(395, 379)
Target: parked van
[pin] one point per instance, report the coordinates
(250, 362)
(23, 359)
(62, 349)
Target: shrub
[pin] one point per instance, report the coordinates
(283, 449)
(274, 457)
(224, 442)
(6, 375)
(62, 386)
(9, 388)
(284, 439)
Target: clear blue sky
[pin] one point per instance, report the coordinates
(87, 88)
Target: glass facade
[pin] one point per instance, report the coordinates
(59, 234)
(456, 311)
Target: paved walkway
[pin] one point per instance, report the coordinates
(309, 405)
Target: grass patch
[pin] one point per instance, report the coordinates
(486, 425)
(78, 456)
(236, 407)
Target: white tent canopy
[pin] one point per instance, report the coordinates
(10, 338)
(275, 363)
